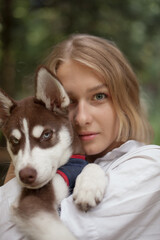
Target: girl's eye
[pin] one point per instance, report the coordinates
(46, 135)
(72, 102)
(100, 96)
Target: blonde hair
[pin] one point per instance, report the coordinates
(106, 59)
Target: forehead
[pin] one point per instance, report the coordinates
(16, 133)
(36, 132)
(75, 76)
(34, 115)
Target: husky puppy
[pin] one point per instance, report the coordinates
(40, 139)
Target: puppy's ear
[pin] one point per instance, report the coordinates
(6, 106)
(50, 91)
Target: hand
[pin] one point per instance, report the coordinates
(90, 187)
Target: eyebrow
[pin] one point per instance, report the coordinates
(97, 87)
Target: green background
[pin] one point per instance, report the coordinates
(30, 28)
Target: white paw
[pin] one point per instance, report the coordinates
(90, 187)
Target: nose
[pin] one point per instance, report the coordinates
(28, 175)
(82, 115)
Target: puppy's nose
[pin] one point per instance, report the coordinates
(28, 175)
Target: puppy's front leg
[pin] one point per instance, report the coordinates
(90, 187)
(61, 189)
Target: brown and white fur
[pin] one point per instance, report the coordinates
(40, 139)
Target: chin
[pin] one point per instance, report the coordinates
(93, 151)
(93, 154)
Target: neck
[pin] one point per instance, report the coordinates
(92, 158)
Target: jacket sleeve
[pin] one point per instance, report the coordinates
(72, 169)
(131, 205)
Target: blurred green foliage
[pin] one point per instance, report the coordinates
(35, 26)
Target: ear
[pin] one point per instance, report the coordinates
(6, 104)
(50, 91)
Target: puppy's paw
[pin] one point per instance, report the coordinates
(90, 187)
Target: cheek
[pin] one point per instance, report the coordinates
(112, 123)
(108, 119)
(12, 155)
(114, 120)
(42, 160)
(117, 126)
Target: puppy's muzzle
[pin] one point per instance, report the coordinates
(28, 175)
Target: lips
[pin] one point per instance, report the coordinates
(86, 136)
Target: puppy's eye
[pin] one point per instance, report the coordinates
(46, 135)
(14, 141)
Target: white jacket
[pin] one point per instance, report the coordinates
(130, 209)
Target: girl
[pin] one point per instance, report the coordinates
(108, 116)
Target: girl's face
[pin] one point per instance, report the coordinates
(91, 109)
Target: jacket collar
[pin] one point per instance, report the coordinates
(116, 153)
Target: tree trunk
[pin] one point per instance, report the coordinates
(7, 71)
